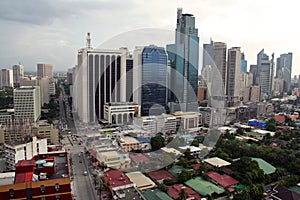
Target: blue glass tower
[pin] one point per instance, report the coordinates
(154, 79)
(184, 58)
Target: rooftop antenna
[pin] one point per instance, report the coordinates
(88, 40)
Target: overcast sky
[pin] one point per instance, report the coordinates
(52, 31)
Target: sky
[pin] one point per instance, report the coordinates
(47, 31)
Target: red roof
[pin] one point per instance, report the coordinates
(174, 192)
(279, 118)
(140, 158)
(223, 180)
(161, 175)
(24, 177)
(116, 178)
(25, 163)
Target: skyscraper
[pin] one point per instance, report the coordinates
(150, 72)
(243, 63)
(44, 70)
(99, 79)
(18, 74)
(27, 103)
(233, 83)
(220, 50)
(265, 73)
(208, 54)
(284, 70)
(184, 58)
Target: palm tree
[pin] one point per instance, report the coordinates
(183, 194)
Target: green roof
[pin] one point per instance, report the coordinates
(204, 187)
(176, 170)
(155, 195)
(239, 187)
(265, 166)
(295, 189)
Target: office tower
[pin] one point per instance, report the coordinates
(44, 70)
(184, 57)
(18, 74)
(208, 54)
(252, 94)
(27, 103)
(233, 81)
(150, 79)
(70, 76)
(220, 49)
(243, 63)
(129, 79)
(253, 70)
(99, 79)
(44, 90)
(265, 72)
(284, 69)
(6, 78)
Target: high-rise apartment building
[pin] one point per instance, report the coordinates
(18, 74)
(44, 70)
(27, 103)
(284, 70)
(6, 78)
(150, 79)
(184, 58)
(99, 78)
(233, 80)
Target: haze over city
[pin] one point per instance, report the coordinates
(52, 32)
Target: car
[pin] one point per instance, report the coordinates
(85, 173)
(80, 161)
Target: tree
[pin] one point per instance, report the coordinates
(185, 175)
(183, 195)
(163, 187)
(195, 143)
(271, 127)
(168, 181)
(157, 142)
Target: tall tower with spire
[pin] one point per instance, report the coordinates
(184, 58)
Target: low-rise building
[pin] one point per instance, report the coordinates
(129, 143)
(14, 152)
(121, 112)
(140, 180)
(48, 131)
(45, 176)
(114, 159)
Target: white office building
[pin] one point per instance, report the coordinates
(27, 103)
(121, 112)
(99, 79)
(18, 74)
(6, 78)
(14, 152)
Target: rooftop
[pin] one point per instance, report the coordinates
(7, 178)
(116, 178)
(155, 195)
(265, 166)
(217, 162)
(129, 194)
(224, 180)
(204, 187)
(174, 191)
(142, 182)
(139, 158)
(129, 140)
(162, 175)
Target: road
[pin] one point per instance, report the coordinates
(82, 185)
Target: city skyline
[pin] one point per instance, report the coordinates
(50, 33)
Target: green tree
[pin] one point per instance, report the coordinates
(183, 195)
(185, 175)
(157, 142)
(271, 127)
(195, 143)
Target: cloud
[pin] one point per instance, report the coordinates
(44, 12)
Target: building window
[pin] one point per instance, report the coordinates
(57, 197)
(11, 193)
(42, 189)
(57, 187)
